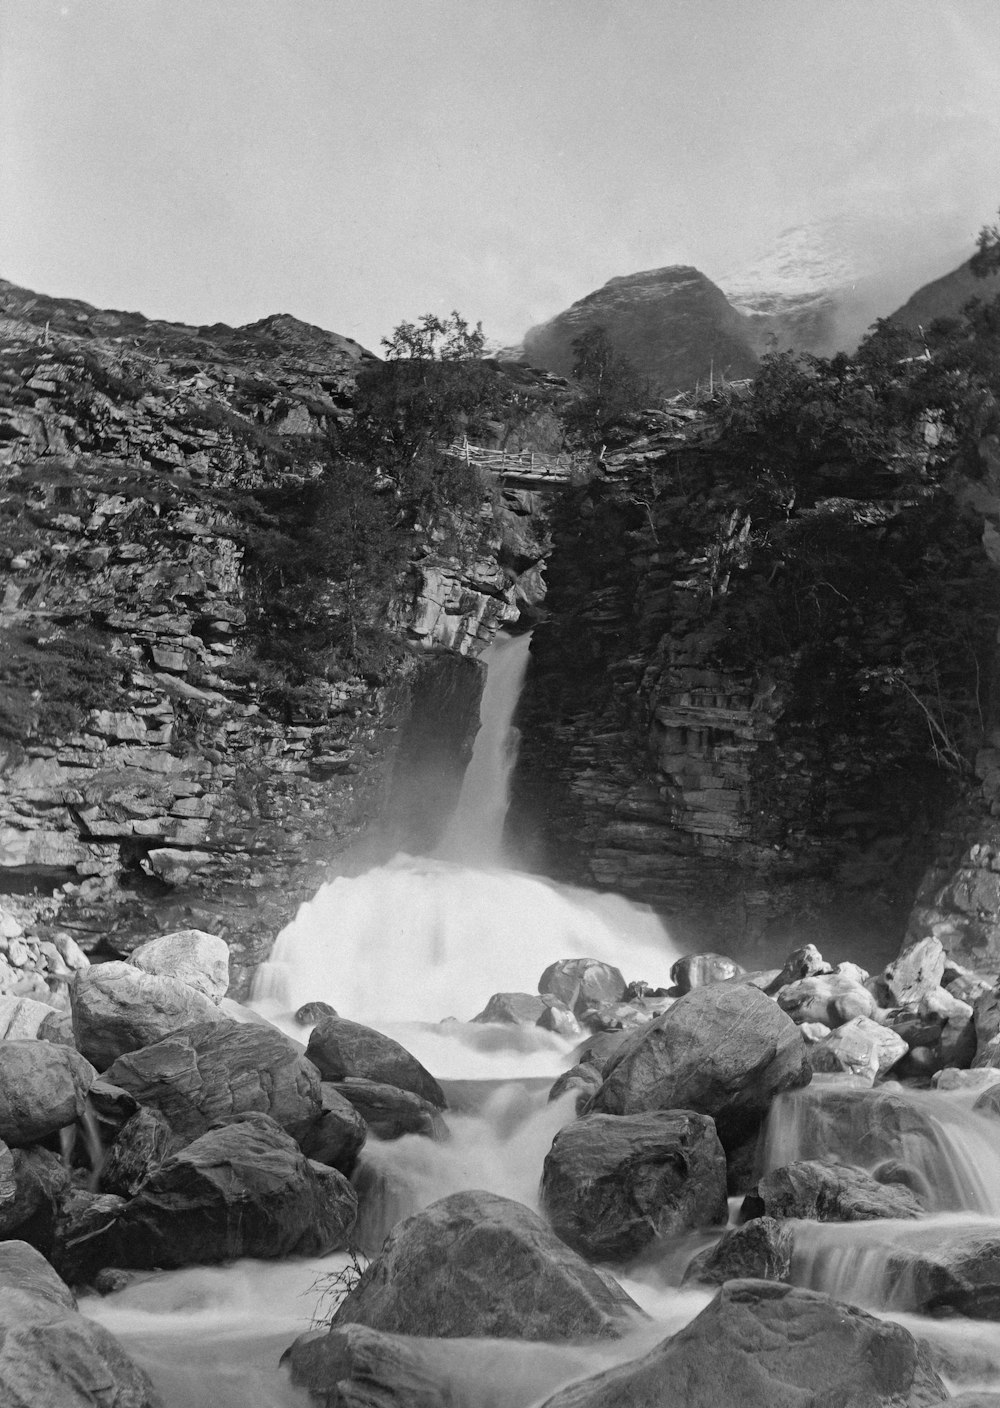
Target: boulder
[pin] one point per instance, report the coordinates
(762, 1344)
(118, 1008)
(829, 1193)
(557, 1017)
(52, 1355)
(340, 1049)
(193, 957)
(957, 1272)
(723, 1051)
(389, 1112)
(760, 1250)
(142, 1145)
(698, 970)
(916, 972)
(612, 1184)
(22, 1017)
(203, 1073)
(43, 1088)
(582, 983)
(585, 1080)
(312, 1012)
(242, 1189)
(521, 1009)
(481, 1265)
(803, 962)
(34, 1184)
(338, 1135)
(830, 998)
(860, 1047)
(84, 1218)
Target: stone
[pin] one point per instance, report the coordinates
(389, 1112)
(762, 1344)
(43, 1088)
(192, 956)
(242, 1189)
(117, 1008)
(582, 983)
(22, 1017)
(557, 1017)
(829, 1193)
(312, 1012)
(34, 1184)
(513, 1008)
(829, 998)
(612, 1184)
(804, 962)
(861, 1048)
(476, 1264)
(83, 1216)
(724, 1051)
(917, 971)
(697, 970)
(584, 1080)
(212, 1070)
(339, 1133)
(957, 1272)
(52, 1355)
(340, 1049)
(143, 1143)
(760, 1250)
(952, 1079)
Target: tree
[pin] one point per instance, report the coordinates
(612, 387)
(434, 339)
(986, 259)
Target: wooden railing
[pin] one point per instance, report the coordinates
(513, 464)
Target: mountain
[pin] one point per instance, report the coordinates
(945, 297)
(674, 325)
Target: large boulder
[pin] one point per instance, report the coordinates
(860, 1047)
(760, 1250)
(916, 972)
(194, 957)
(22, 1018)
(43, 1088)
(724, 1051)
(611, 1184)
(119, 1008)
(762, 1344)
(583, 984)
(698, 970)
(338, 1135)
(243, 1189)
(831, 998)
(340, 1049)
(829, 1193)
(389, 1112)
(144, 1142)
(955, 1270)
(52, 1355)
(478, 1264)
(34, 1184)
(521, 1009)
(209, 1071)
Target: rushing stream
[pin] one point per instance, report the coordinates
(415, 948)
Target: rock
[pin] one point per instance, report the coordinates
(478, 1264)
(143, 1143)
(861, 1047)
(829, 998)
(697, 970)
(723, 1051)
(206, 1072)
(804, 962)
(312, 1012)
(513, 1008)
(338, 1135)
(829, 1193)
(49, 1353)
(916, 972)
(34, 1184)
(390, 1112)
(959, 1272)
(201, 960)
(557, 1017)
(612, 1184)
(582, 983)
(852, 970)
(760, 1250)
(58, 1028)
(340, 1049)
(585, 1080)
(22, 1017)
(83, 1217)
(118, 1008)
(762, 1344)
(812, 1032)
(951, 1079)
(988, 1103)
(43, 1088)
(242, 1189)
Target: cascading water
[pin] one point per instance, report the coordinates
(423, 939)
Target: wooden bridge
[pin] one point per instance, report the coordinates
(518, 466)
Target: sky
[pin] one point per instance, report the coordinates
(358, 162)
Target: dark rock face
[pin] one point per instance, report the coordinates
(673, 324)
(340, 1049)
(311, 1012)
(390, 1112)
(143, 1143)
(764, 1345)
(723, 1051)
(760, 1250)
(42, 1089)
(829, 1193)
(209, 1071)
(242, 1189)
(338, 1135)
(34, 1184)
(52, 1355)
(611, 1184)
(475, 1264)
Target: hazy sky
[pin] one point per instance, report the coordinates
(355, 162)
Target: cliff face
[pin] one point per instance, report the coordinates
(673, 324)
(717, 719)
(149, 776)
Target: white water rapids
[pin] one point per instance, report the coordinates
(421, 940)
